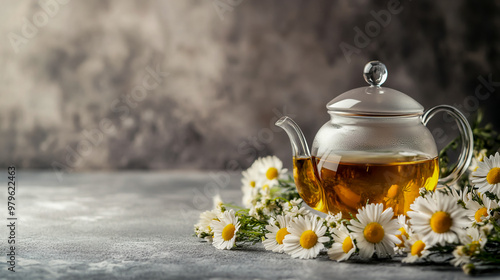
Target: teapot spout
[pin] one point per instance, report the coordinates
(297, 139)
(304, 167)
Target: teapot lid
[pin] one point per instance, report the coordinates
(375, 100)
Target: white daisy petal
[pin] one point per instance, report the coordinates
(487, 176)
(438, 219)
(375, 231)
(225, 230)
(306, 237)
(274, 239)
(417, 249)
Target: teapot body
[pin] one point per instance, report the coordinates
(356, 160)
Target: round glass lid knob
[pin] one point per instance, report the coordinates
(375, 73)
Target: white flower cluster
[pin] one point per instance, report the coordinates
(301, 236)
(260, 185)
(461, 219)
(445, 218)
(203, 229)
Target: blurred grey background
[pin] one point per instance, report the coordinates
(197, 84)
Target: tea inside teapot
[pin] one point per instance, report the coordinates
(348, 182)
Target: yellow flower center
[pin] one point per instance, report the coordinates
(280, 235)
(493, 176)
(461, 250)
(347, 244)
(417, 248)
(441, 222)
(400, 236)
(393, 191)
(474, 246)
(481, 212)
(374, 232)
(308, 239)
(252, 184)
(265, 187)
(228, 232)
(272, 173)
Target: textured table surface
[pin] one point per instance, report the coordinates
(138, 225)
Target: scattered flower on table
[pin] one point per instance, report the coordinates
(278, 229)
(460, 195)
(474, 237)
(403, 235)
(417, 249)
(479, 212)
(478, 157)
(487, 176)
(271, 168)
(343, 246)
(251, 184)
(225, 230)
(375, 231)
(460, 256)
(438, 218)
(202, 228)
(473, 243)
(306, 237)
(218, 204)
(294, 208)
(334, 220)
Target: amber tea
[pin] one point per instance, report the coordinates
(347, 184)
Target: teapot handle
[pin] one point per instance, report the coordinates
(465, 157)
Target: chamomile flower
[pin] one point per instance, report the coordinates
(423, 192)
(478, 157)
(486, 229)
(278, 230)
(375, 231)
(296, 202)
(334, 220)
(343, 247)
(251, 184)
(271, 168)
(462, 194)
(479, 212)
(460, 256)
(404, 233)
(297, 211)
(265, 192)
(259, 210)
(417, 249)
(202, 228)
(225, 230)
(218, 204)
(487, 176)
(475, 238)
(294, 208)
(438, 218)
(474, 241)
(306, 237)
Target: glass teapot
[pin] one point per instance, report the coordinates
(375, 148)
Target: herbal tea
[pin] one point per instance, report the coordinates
(348, 184)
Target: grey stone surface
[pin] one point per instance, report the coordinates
(138, 225)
